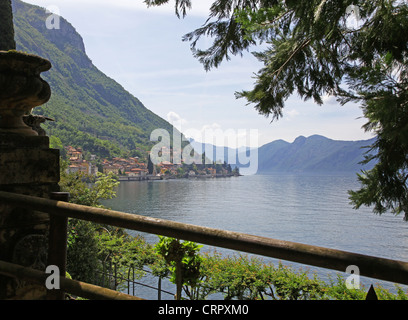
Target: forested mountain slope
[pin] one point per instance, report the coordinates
(90, 109)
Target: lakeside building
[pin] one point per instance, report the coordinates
(118, 166)
(77, 163)
(129, 167)
(132, 167)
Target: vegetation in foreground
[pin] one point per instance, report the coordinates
(196, 275)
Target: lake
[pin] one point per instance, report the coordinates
(308, 208)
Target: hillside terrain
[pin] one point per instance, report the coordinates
(305, 154)
(91, 110)
(313, 154)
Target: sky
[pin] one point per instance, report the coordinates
(142, 49)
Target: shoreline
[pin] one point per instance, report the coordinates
(154, 178)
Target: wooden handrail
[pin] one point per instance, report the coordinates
(78, 288)
(369, 266)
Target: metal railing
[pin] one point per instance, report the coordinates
(373, 267)
(109, 277)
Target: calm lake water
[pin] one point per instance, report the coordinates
(311, 209)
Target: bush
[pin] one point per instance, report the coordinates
(243, 277)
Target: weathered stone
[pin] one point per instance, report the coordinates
(35, 166)
(13, 141)
(27, 166)
(21, 89)
(35, 121)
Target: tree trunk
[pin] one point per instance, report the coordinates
(6, 26)
(179, 280)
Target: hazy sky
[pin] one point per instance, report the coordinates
(141, 48)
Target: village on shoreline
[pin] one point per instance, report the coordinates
(135, 169)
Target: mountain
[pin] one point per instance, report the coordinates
(90, 109)
(313, 154)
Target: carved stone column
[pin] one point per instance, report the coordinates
(27, 166)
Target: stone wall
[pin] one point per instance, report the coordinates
(27, 166)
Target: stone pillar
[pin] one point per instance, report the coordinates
(27, 166)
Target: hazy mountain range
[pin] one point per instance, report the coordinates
(312, 154)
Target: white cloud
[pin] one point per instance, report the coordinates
(215, 134)
(176, 120)
(331, 100)
(292, 113)
(214, 126)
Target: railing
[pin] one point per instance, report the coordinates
(369, 266)
(109, 277)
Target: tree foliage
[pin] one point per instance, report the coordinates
(243, 277)
(91, 247)
(89, 194)
(183, 261)
(356, 51)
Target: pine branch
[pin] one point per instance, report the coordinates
(300, 47)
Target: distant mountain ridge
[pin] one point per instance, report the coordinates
(90, 109)
(305, 154)
(313, 154)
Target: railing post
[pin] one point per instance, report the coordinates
(371, 295)
(57, 245)
(159, 289)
